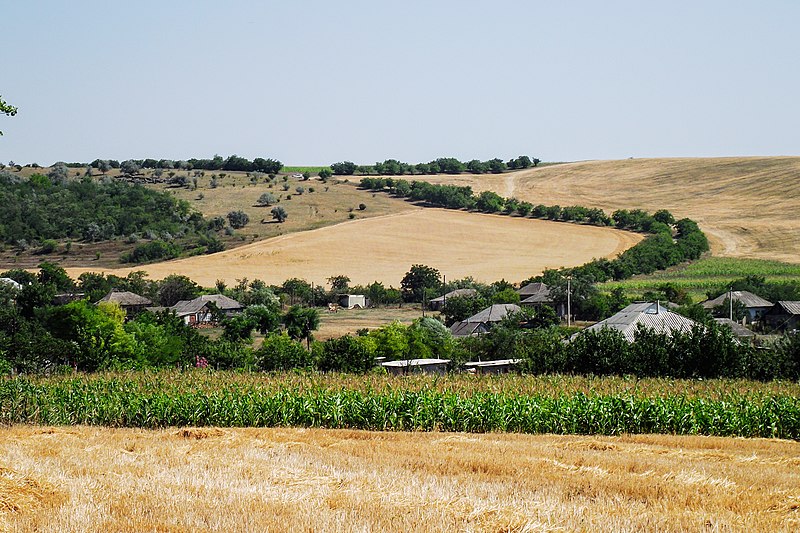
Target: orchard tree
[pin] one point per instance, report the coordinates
(279, 214)
(417, 280)
(266, 199)
(238, 219)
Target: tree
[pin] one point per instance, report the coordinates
(58, 173)
(345, 354)
(417, 280)
(266, 318)
(267, 199)
(7, 109)
(325, 173)
(279, 214)
(175, 288)
(339, 284)
(489, 202)
(130, 167)
(279, 352)
(345, 168)
(300, 322)
(238, 219)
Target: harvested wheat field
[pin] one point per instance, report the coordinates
(97, 479)
(748, 206)
(459, 244)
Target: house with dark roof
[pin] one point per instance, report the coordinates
(483, 321)
(202, 309)
(651, 315)
(436, 304)
(783, 316)
(738, 330)
(755, 305)
(538, 294)
(130, 302)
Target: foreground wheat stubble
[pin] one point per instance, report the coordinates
(102, 479)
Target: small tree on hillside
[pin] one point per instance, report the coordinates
(266, 199)
(279, 214)
(238, 219)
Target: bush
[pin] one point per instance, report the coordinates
(151, 251)
(238, 219)
(345, 354)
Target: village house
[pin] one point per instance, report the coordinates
(436, 304)
(783, 316)
(755, 305)
(202, 309)
(651, 315)
(130, 302)
(483, 321)
(538, 294)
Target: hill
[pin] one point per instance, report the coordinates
(746, 205)
(459, 244)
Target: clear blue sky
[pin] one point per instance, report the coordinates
(313, 82)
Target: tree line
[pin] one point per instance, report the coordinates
(442, 165)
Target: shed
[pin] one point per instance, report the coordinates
(499, 366)
(483, 321)
(352, 301)
(755, 305)
(651, 315)
(783, 316)
(413, 366)
(437, 303)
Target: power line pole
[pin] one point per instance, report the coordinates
(569, 301)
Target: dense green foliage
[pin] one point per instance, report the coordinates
(442, 165)
(36, 209)
(157, 402)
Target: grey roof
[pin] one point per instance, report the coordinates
(791, 307)
(497, 362)
(189, 307)
(456, 293)
(651, 315)
(125, 298)
(494, 313)
(222, 302)
(465, 329)
(535, 293)
(416, 362)
(738, 329)
(11, 282)
(747, 298)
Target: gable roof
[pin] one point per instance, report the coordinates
(535, 293)
(222, 302)
(125, 298)
(466, 329)
(738, 329)
(789, 307)
(494, 313)
(651, 315)
(747, 298)
(456, 293)
(189, 307)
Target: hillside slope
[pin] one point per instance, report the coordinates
(748, 206)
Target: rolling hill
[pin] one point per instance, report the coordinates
(748, 206)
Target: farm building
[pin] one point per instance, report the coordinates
(352, 301)
(483, 321)
(201, 309)
(783, 316)
(651, 315)
(11, 283)
(415, 366)
(538, 294)
(499, 366)
(436, 304)
(130, 302)
(755, 305)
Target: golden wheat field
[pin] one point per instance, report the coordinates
(100, 479)
(459, 244)
(748, 206)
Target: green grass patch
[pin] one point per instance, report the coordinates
(299, 170)
(524, 404)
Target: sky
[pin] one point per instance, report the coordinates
(315, 82)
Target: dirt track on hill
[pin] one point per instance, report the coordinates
(457, 243)
(748, 206)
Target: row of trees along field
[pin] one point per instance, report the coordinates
(442, 165)
(38, 335)
(231, 163)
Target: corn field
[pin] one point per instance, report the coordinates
(156, 401)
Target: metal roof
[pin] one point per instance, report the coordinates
(497, 362)
(416, 362)
(465, 329)
(494, 313)
(538, 291)
(221, 301)
(651, 315)
(747, 298)
(791, 307)
(738, 329)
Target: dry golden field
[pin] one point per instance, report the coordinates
(748, 206)
(100, 479)
(459, 244)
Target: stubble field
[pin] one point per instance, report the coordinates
(459, 244)
(746, 205)
(208, 479)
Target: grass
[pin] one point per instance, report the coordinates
(300, 170)
(709, 273)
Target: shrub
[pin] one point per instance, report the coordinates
(238, 219)
(345, 354)
(151, 251)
